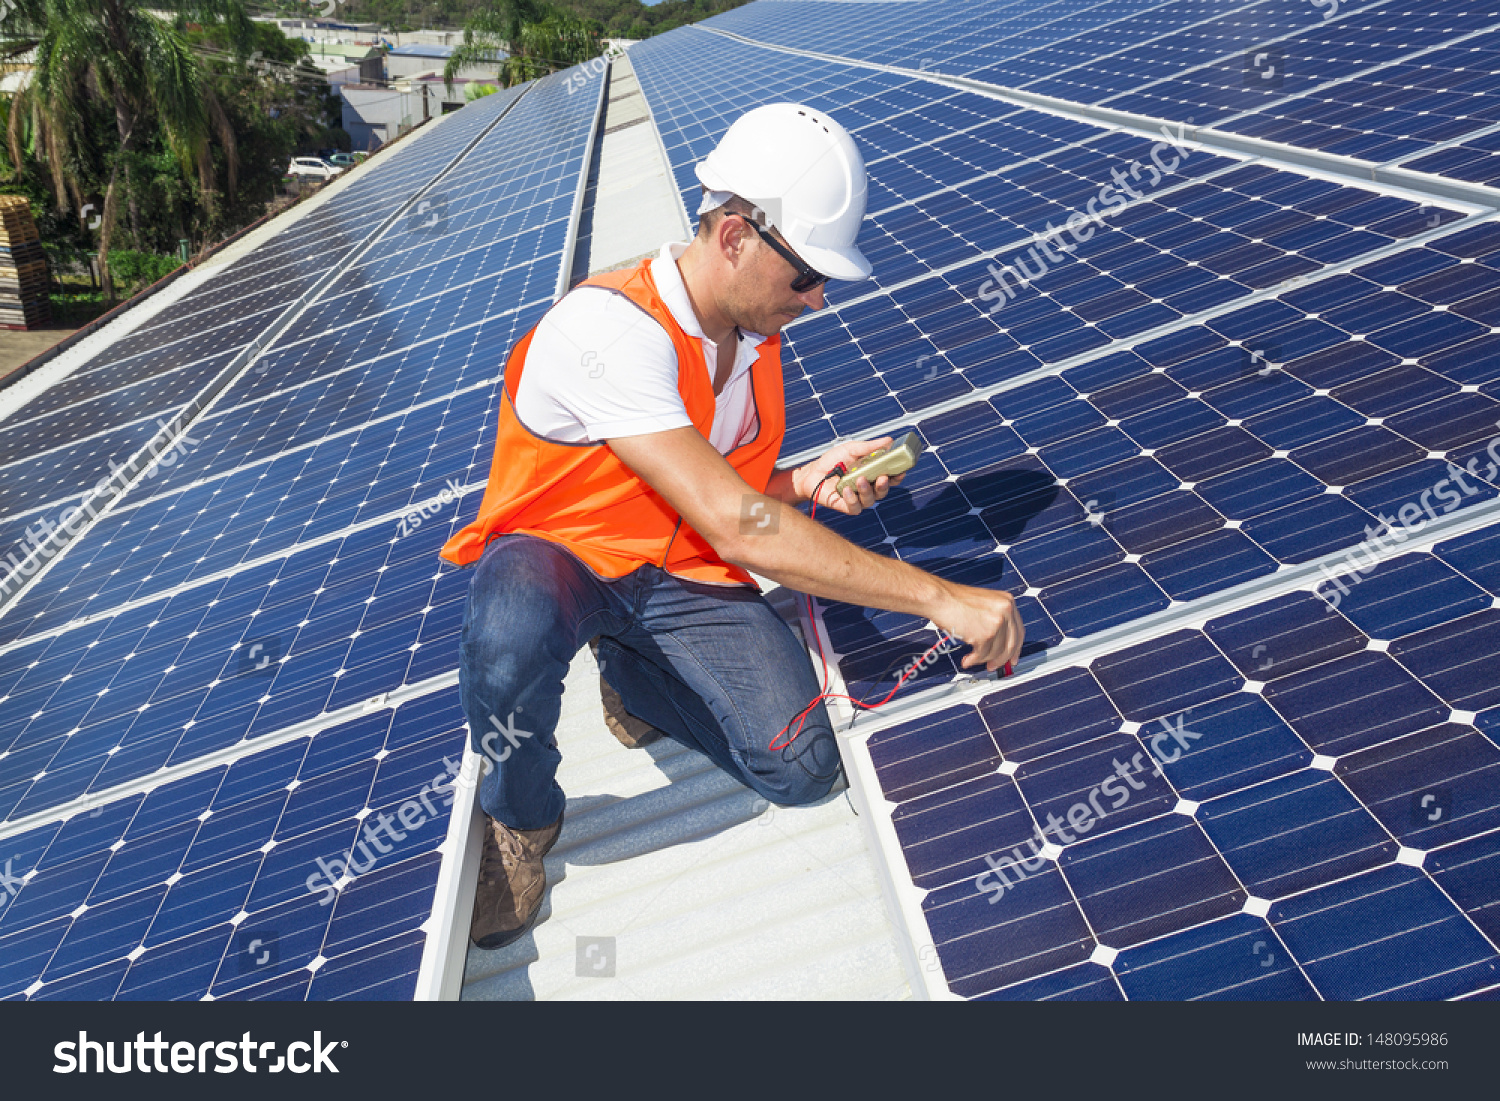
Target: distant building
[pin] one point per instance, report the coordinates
(377, 113)
(421, 59)
(410, 89)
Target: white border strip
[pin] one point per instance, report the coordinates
(575, 216)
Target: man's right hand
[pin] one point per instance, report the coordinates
(986, 620)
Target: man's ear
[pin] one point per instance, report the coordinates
(730, 238)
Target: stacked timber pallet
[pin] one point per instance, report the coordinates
(23, 267)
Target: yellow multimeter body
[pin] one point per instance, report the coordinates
(890, 461)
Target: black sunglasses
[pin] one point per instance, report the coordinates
(806, 278)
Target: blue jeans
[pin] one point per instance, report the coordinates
(711, 666)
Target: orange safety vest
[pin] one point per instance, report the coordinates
(582, 496)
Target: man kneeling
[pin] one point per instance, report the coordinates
(633, 486)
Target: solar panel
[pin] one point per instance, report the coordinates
(1369, 80)
(1253, 805)
(236, 689)
(181, 352)
(163, 895)
(1236, 380)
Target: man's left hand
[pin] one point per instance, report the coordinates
(812, 478)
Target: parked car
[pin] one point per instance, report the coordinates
(343, 160)
(313, 168)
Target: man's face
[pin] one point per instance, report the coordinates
(760, 296)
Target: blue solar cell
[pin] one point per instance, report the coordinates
(1389, 933)
(947, 834)
(381, 973)
(177, 970)
(1065, 552)
(1477, 555)
(1084, 792)
(1172, 423)
(1394, 391)
(1213, 452)
(96, 985)
(1354, 702)
(1237, 957)
(1240, 741)
(1467, 873)
(1408, 595)
(1308, 529)
(1102, 599)
(1169, 856)
(1294, 833)
(1356, 455)
(1340, 364)
(1206, 563)
(948, 747)
(1459, 660)
(203, 899)
(1283, 636)
(1086, 982)
(1429, 789)
(1471, 364)
(1165, 676)
(1161, 521)
(1055, 712)
(1450, 422)
(1035, 928)
(1258, 488)
(101, 933)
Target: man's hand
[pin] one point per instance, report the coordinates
(987, 621)
(812, 478)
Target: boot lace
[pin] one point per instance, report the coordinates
(501, 856)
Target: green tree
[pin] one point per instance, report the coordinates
(278, 104)
(118, 58)
(526, 38)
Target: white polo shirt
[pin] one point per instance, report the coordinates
(599, 366)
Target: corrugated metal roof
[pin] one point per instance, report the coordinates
(705, 890)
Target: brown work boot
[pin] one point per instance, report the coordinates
(512, 881)
(629, 731)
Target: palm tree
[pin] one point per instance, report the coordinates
(529, 38)
(118, 56)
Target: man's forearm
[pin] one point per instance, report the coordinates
(804, 555)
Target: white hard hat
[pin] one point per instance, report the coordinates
(804, 171)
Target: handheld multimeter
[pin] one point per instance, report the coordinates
(893, 460)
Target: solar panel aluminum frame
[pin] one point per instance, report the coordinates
(575, 216)
(916, 942)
